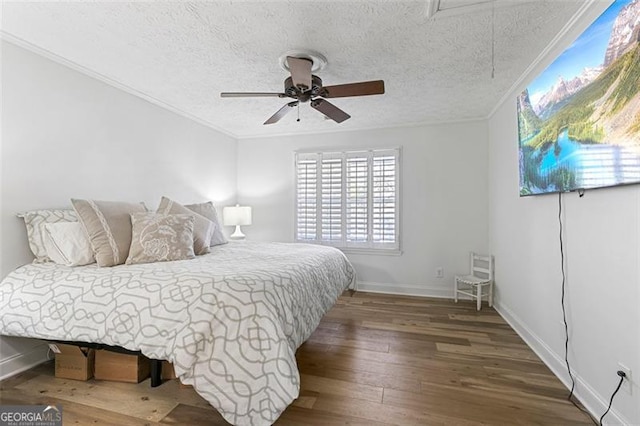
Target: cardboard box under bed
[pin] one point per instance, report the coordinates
(121, 367)
(73, 362)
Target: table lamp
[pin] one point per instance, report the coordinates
(237, 216)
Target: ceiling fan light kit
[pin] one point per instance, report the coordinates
(304, 86)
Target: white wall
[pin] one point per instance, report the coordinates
(444, 199)
(602, 262)
(602, 251)
(65, 135)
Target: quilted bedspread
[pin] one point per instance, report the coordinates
(230, 321)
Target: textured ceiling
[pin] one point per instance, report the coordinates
(184, 54)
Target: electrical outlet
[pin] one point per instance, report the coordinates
(626, 383)
(439, 272)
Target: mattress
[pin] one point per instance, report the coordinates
(230, 321)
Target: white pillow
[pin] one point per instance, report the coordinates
(68, 244)
(35, 221)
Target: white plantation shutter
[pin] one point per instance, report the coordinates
(348, 199)
(384, 199)
(306, 200)
(357, 198)
(331, 199)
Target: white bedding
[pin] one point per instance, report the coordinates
(230, 321)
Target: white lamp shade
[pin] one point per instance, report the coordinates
(236, 215)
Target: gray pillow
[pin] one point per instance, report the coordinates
(161, 237)
(108, 226)
(203, 228)
(35, 221)
(209, 211)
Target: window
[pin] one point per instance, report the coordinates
(348, 199)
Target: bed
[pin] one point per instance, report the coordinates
(230, 321)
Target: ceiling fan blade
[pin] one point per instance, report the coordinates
(300, 72)
(330, 110)
(375, 87)
(252, 95)
(281, 113)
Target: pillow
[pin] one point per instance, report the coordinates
(67, 244)
(35, 221)
(202, 227)
(108, 225)
(161, 237)
(209, 211)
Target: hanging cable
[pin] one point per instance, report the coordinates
(622, 377)
(564, 311)
(564, 314)
(493, 39)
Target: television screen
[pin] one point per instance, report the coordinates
(579, 121)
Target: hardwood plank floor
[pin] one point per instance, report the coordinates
(374, 360)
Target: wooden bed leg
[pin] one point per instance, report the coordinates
(156, 372)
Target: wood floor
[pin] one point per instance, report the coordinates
(374, 359)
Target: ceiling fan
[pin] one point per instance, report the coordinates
(303, 86)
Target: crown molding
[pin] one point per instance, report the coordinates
(586, 14)
(10, 38)
(430, 123)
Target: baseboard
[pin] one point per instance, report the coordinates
(405, 289)
(23, 361)
(589, 398)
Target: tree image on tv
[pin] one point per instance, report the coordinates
(579, 121)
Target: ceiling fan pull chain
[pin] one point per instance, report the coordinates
(298, 120)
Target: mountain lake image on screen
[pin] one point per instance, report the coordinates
(579, 120)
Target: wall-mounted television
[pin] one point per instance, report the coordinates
(579, 120)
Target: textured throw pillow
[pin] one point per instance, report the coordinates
(209, 211)
(35, 221)
(67, 244)
(108, 225)
(161, 237)
(203, 228)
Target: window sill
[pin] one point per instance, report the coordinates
(370, 252)
(358, 250)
